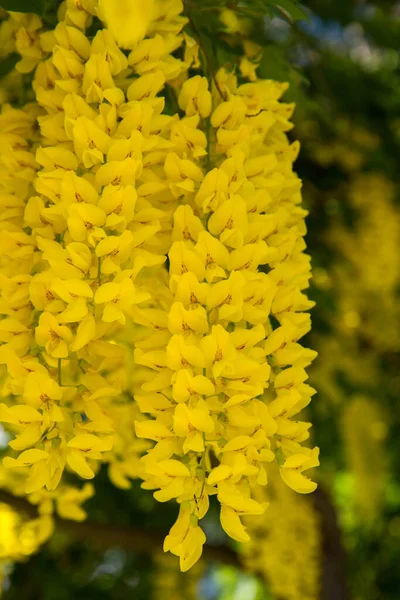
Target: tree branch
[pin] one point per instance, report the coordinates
(143, 541)
(138, 539)
(333, 568)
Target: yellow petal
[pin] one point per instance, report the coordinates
(28, 437)
(78, 463)
(219, 474)
(175, 468)
(297, 481)
(31, 456)
(85, 333)
(84, 441)
(232, 524)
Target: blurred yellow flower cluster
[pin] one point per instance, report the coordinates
(152, 270)
(365, 277)
(19, 538)
(364, 431)
(370, 255)
(348, 148)
(285, 548)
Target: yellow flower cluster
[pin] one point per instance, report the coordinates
(365, 252)
(105, 348)
(23, 33)
(285, 547)
(370, 253)
(72, 254)
(347, 149)
(228, 375)
(19, 538)
(364, 431)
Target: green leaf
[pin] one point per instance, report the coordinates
(7, 64)
(292, 8)
(24, 6)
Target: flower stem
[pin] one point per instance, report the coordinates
(59, 372)
(99, 270)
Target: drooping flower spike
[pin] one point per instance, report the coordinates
(153, 272)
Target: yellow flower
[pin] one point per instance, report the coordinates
(85, 222)
(41, 390)
(195, 97)
(227, 295)
(292, 471)
(54, 337)
(86, 446)
(127, 21)
(182, 174)
(186, 540)
(69, 501)
(219, 352)
(71, 262)
(185, 321)
(187, 385)
(90, 141)
(232, 524)
(118, 297)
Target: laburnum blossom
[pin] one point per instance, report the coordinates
(223, 394)
(86, 222)
(152, 273)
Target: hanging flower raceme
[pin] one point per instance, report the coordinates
(285, 548)
(369, 254)
(80, 245)
(224, 390)
(109, 354)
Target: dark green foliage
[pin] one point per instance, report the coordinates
(25, 6)
(7, 64)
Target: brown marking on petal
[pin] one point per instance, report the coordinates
(245, 266)
(209, 259)
(218, 355)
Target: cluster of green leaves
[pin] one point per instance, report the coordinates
(220, 47)
(291, 9)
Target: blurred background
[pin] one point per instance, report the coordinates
(343, 542)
